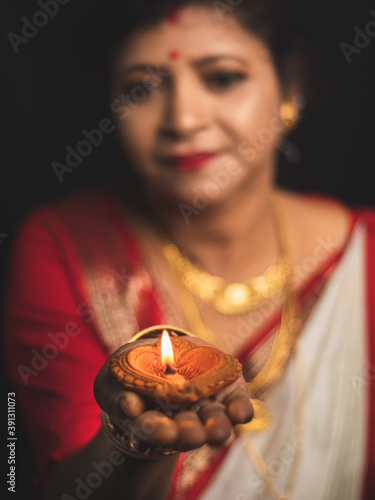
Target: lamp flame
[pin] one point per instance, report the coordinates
(167, 357)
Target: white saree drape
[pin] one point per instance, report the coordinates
(327, 380)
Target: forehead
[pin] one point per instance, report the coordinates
(195, 31)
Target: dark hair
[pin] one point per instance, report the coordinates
(280, 24)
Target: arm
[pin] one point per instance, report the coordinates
(101, 471)
(56, 397)
(54, 385)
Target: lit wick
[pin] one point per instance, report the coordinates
(167, 355)
(169, 370)
(167, 360)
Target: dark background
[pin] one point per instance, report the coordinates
(46, 101)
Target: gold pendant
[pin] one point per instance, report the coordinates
(230, 299)
(237, 294)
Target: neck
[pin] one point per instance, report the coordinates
(235, 239)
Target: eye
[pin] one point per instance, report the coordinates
(223, 80)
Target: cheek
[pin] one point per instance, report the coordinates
(254, 112)
(136, 134)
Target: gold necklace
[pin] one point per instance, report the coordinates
(281, 352)
(283, 347)
(276, 363)
(284, 341)
(230, 299)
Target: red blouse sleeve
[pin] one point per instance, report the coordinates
(53, 351)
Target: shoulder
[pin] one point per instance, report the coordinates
(85, 214)
(84, 227)
(83, 205)
(75, 206)
(58, 242)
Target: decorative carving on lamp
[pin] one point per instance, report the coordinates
(182, 374)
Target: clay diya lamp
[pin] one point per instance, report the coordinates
(162, 363)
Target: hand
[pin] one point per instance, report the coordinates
(208, 421)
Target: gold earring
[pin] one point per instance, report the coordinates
(289, 114)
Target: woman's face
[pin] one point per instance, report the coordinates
(196, 101)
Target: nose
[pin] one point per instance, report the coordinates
(185, 109)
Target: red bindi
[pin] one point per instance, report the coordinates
(174, 55)
(173, 17)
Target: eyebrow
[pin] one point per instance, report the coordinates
(199, 63)
(219, 57)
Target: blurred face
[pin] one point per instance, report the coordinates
(196, 101)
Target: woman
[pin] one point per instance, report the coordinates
(201, 97)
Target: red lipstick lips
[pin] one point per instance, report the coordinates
(190, 162)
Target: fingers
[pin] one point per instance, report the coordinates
(212, 423)
(184, 432)
(216, 422)
(150, 429)
(239, 407)
(131, 404)
(113, 399)
(206, 422)
(191, 432)
(155, 429)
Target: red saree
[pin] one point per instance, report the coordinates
(53, 341)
